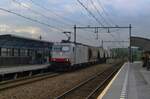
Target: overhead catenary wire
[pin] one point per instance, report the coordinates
(56, 14)
(69, 21)
(38, 13)
(115, 38)
(83, 37)
(48, 24)
(106, 12)
(48, 10)
(88, 5)
(97, 10)
(66, 20)
(90, 13)
(31, 19)
(90, 19)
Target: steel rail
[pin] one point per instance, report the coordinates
(81, 84)
(27, 80)
(101, 84)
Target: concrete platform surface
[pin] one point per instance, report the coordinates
(131, 82)
(14, 69)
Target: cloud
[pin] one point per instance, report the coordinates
(20, 5)
(4, 27)
(93, 6)
(2, 13)
(132, 7)
(121, 12)
(54, 1)
(70, 8)
(33, 31)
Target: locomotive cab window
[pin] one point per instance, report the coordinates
(60, 48)
(65, 48)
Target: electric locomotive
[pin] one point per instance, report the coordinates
(69, 55)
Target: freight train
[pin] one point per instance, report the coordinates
(70, 55)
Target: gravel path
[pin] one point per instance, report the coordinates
(51, 87)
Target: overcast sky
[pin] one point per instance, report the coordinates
(63, 14)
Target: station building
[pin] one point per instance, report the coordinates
(17, 51)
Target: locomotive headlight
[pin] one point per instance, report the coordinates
(67, 59)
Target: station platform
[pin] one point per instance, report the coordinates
(14, 69)
(131, 82)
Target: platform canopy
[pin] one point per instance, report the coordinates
(143, 43)
(13, 41)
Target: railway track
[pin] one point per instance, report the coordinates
(4, 85)
(90, 88)
(26, 80)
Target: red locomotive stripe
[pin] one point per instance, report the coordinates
(58, 59)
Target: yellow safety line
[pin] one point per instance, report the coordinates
(108, 86)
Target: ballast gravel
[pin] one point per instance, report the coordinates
(52, 87)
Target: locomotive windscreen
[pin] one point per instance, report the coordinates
(61, 48)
